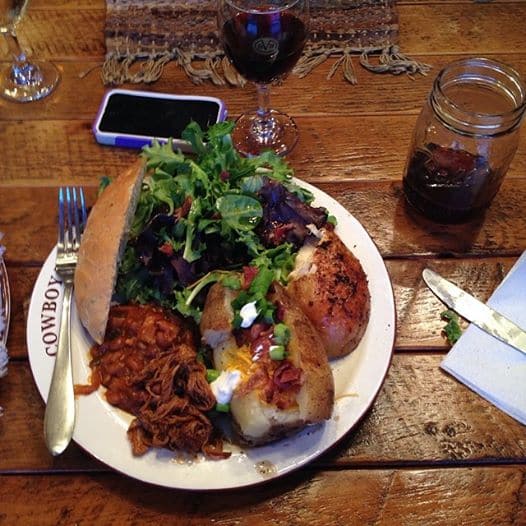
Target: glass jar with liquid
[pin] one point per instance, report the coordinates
(464, 139)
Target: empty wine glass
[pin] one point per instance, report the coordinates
(22, 80)
(264, 40)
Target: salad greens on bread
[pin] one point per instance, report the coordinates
(213, 216)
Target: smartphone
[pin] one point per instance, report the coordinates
(133, 119)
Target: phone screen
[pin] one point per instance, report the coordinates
(155, 117)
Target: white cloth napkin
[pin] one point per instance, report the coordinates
(491, 368)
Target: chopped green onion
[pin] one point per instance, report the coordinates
(222, 408)
(211, 375)
(281, 334)
(277, 352)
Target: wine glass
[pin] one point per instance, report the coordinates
(263, 40)
(22, 81)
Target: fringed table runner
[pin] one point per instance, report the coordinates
(143, 35)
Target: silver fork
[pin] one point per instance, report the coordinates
(59, 419)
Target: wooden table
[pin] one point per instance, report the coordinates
(430, 451)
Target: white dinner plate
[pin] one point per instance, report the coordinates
(101, 428)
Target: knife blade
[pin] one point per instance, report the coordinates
(473, 310)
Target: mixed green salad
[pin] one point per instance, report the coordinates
(214, 216)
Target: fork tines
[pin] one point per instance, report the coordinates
(71, 218)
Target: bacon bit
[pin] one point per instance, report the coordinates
(248, 336)
(258, 379)
(224, 176)
(260, 346)
(183, 210)
(287, 376)
(284, 386)
(166, 249)
(214, 450)
(280, 311)
(259, 329)
(249, 273)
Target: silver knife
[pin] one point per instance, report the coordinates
(475, 311)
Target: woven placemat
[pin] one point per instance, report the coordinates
(143, 35)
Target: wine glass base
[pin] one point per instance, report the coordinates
(252, 136)
(39, 83)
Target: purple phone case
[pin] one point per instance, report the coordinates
(138, 141)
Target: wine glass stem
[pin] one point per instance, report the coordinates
(14, 47)
(263, 111)
(264, 125)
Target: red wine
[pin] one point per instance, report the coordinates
(264, 46)
(449, 185)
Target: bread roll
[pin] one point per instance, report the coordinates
(101, 248)
(329, 284)
(257, 419)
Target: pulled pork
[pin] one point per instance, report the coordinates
(148, 365)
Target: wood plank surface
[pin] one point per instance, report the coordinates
(492, 495)
(337, 148)
(80, 92)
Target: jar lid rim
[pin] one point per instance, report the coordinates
(489, 63)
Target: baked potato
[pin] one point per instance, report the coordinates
(273, 397)
(329, 284)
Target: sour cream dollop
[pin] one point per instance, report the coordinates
(248, 314)
(224, 385)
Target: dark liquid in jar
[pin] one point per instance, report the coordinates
(449, 185)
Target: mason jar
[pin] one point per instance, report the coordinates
(464, 139)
